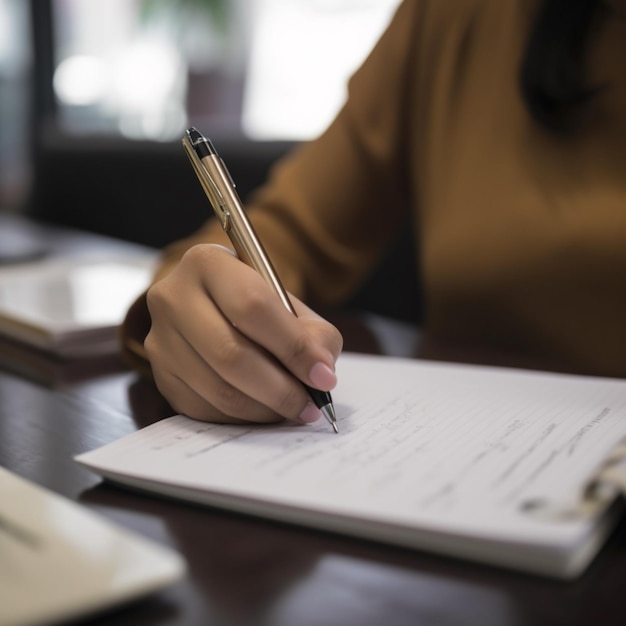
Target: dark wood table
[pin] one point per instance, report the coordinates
(244, 570)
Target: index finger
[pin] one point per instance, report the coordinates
(307, 346)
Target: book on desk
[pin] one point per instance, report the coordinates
(71, 307)
(507, 467)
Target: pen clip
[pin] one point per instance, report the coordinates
(210, 188)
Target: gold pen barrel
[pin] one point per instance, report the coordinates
(241, 233)
(220, 190)
(207, 184)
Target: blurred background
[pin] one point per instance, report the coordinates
(95, 97)
(89, 79)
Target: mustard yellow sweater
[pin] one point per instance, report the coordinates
(521, 234)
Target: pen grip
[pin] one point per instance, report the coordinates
(320, 398)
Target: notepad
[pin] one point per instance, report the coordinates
(59, 561)
(501, 466)
(71, 307)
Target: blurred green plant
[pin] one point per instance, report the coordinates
(215, 11)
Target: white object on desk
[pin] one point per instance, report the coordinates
(483, 463)
(59, 561)
(71, 307)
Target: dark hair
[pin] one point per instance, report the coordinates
(553, 80)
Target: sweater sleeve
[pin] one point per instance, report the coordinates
(330, 207)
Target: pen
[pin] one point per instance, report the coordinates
(220, 190)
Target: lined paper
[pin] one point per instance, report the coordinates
(448, 448)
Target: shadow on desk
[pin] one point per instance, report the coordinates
(240, 571)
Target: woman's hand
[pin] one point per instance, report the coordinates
(223, 347)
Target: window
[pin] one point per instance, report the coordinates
(14, 100)
(267, 69)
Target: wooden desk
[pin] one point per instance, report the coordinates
(250, 571)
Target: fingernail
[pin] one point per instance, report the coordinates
(322, 377)
(310, 413)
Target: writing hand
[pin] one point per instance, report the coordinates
(223, 347)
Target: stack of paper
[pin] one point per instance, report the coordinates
(71, 307)
(482, 463)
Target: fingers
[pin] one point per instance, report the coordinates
(307, 345)
(223, 347)
(193, 388)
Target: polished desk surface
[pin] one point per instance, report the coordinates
(244, 570)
